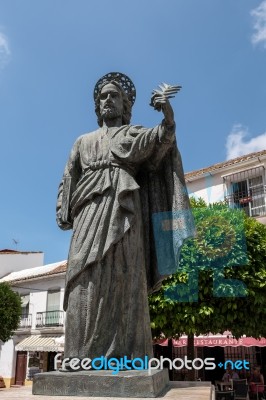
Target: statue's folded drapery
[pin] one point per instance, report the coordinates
(114, 181)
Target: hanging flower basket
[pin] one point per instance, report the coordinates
(245, 200)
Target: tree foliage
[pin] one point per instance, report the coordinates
(10, 311)
(221, 280)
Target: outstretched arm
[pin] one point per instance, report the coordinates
(161, 103)
(166, 130)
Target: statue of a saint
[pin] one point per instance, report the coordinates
(116, 178)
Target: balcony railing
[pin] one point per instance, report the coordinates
(49, 318)
(25, 321)
(252, 201)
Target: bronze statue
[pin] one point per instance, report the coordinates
(116, 178)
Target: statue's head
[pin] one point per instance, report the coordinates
(124, 92)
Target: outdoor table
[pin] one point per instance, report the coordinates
(224, 385)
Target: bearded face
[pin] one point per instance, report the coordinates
(110, 112)
(111, 102)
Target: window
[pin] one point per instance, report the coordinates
(25, 299)
(53, 307)
(257, 192)
(53, 300)
(246, 190)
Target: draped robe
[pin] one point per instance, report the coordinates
(104, 197)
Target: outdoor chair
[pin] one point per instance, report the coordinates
(258, 392)
(244, 380)
(225, 395)
(240, 388)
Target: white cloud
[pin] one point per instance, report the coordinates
(259, 17)
(237, 143)
(4, 51)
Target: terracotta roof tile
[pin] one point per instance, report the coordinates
(59, 269)
(10, 251)
(224, 164)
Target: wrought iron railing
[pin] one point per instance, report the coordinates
(252, 201)
(25, 321)
(50, 318)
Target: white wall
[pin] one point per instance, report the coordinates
(7, 359)
(210, 188)
(11, 262)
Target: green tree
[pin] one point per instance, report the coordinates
(10, 311)
(197, 299)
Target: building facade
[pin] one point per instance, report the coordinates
(240, 182)
(41, 332)
(13, 260)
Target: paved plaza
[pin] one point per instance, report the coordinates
(193, 393)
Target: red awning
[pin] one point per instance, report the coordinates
(217, 340)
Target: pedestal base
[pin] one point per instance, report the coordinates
(101, 383)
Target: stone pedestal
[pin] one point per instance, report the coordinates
(102, 383)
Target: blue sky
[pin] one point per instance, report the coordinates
(53, 52)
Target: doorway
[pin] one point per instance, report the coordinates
(21, 368)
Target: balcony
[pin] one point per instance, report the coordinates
(49, 319)
(252, 201)
(25, 321)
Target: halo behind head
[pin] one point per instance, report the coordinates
(124, 81)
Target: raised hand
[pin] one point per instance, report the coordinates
(160, 102)
(160, 96)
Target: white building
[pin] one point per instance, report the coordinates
(40, 335)
(241, 182)
(13, 260)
